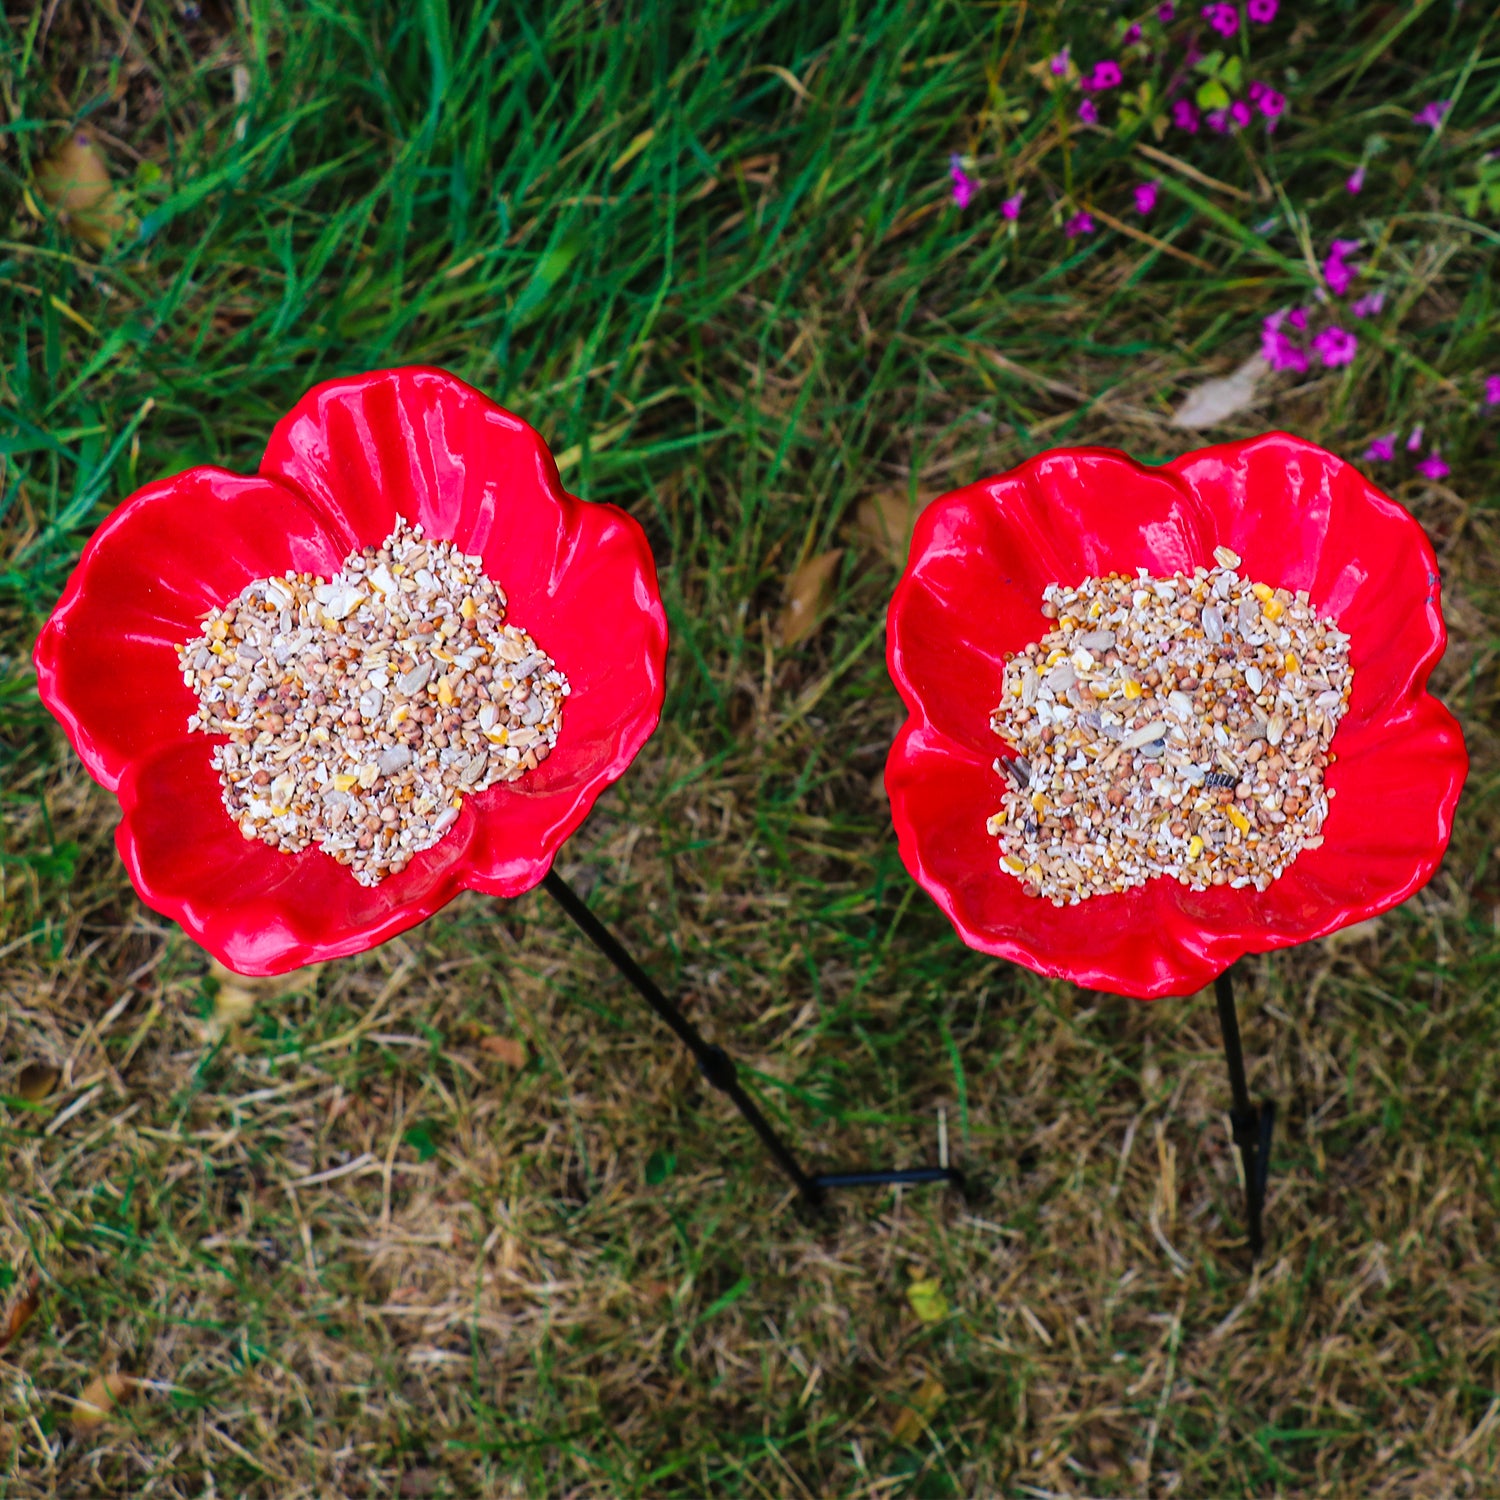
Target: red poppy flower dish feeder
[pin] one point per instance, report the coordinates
(1297, 519)
(341, 467)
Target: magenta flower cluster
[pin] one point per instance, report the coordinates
(1283, 346)
(1225, 19)
(1337, 272)
(1382, 450)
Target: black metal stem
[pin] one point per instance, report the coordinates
(719, 1068)
(1251, 1124)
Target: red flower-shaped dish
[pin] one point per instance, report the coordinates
(338, 469)
(1300, 518)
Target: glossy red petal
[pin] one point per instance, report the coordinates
(980, 558)
(598, 613)
(254, 908)
(1388, 825)
(106, 661)
(1300, 518)
(579, 577)
(419, 443)
(1108, 942)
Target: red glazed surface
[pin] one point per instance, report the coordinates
(337, 470)
(1300, 518)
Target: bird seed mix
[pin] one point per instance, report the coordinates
(361, 711)
(1167, 726)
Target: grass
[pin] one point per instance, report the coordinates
(710, 252)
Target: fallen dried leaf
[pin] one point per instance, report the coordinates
(913, 1418)
(506, 1048)
(35, 1081)
(885, 521)
(22, 1311)
(1215, 401)
(75, 181)
(100, 1397)
(927, 1300)
(807, 594)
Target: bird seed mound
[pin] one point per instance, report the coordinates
(361, 711)
(1168, 726)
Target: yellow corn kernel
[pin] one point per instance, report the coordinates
(1034, 871)
(1132, 689)
(1262, 591)
(400, 716)
(442, 655)
(458, 800)
(344, 783)
(499, 736)
(1014, 864)
(1238, 818)
(468, 609)
(1275, 609)
(1291, 663)
(219, 630)
(1055, 656)
(1096, 609)
(445, 692)
(1038, 801)
(1195, 847)
(1067, 623)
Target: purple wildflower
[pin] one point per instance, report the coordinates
(1106, 74)
(1433, 466)
(1185, 115)
(963, 184)
(1132, 34)
(1263, 12)
(1277, 348)
(1368, 305)
(1145, 201)
(1338, 274)
(1432, 114)
(1218, 119)
(1255, 90)
(1239, 114)
(1382, 449)
(1335, 346)
(1060, 63)
(1298, 318)
(1271, 104)
(1088, 113)
(1225, 19)
(1356, 180)
(1415, 440)
(1080, 223)
(1166, 12)
(1492, 390)
(1011, 207)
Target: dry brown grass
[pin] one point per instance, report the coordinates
(335, 1243)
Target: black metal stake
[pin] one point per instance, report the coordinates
(1250, 1123)
(719, 1069)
